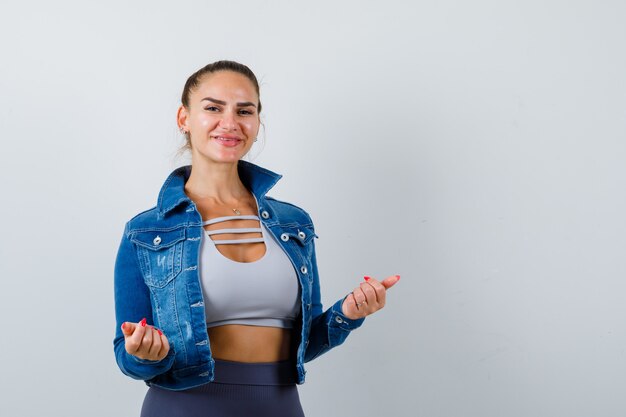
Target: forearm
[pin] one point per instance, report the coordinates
(132, 303)
(328, 330)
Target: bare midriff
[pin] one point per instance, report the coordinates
(242, 343)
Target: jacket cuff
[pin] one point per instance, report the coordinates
(338, 319)
(147, 361)
(146, 369)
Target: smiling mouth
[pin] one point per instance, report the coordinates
(228, 141)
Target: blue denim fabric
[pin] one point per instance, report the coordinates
(156, 276)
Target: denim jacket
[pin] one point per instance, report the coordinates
(157, 277)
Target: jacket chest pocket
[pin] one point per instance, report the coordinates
(160, 255)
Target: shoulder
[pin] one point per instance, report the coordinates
(147, 219)
(286, 211)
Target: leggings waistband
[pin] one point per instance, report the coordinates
(255, 373)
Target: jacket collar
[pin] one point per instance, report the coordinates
(257, 179)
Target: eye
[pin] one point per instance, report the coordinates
(212, 108)
(245, 112)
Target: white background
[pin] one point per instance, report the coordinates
(475, 148)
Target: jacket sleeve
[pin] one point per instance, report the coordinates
(329, 328)
(132, 303)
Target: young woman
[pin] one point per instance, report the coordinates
(217, 293)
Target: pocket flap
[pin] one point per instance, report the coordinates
(158, 239)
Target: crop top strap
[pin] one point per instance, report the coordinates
(234, 230)
(236, 241)
(225, 218)
(241, 230)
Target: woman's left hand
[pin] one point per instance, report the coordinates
(368, 297)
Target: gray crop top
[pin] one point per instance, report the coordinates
(265, 292)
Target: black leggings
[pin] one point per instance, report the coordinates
(239, 390)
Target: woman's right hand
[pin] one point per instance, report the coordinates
(145, 341)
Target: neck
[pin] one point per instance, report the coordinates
(217, 181)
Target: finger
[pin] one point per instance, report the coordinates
(165, 346)
(371, 297)
(155, 348)
(128, 327)
(357, 302)
(379, 289)
(349, 309)
(146, 342)
(133, 342)
(359, 297)
(391, 281)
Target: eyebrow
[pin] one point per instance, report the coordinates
(223, 103)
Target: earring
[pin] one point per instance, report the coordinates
(182, 130)
(255, 139)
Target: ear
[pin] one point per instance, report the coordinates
(181, 118)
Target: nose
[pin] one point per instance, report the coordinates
(228, 121)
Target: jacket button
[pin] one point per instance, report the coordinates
(338, 319)
(157, 240)
(284, 237)
(265, 214)
(301, 235)
(303, 269)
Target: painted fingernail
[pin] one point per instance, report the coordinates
(398, 276)
(123, 325)
(143, 322)
(160, 332)
(367, 278)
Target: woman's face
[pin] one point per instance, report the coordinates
(222, 117)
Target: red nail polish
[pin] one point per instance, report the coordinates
(160, 332)
(143, 322)
(398, 277)
(123, 325)
(367, 278)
